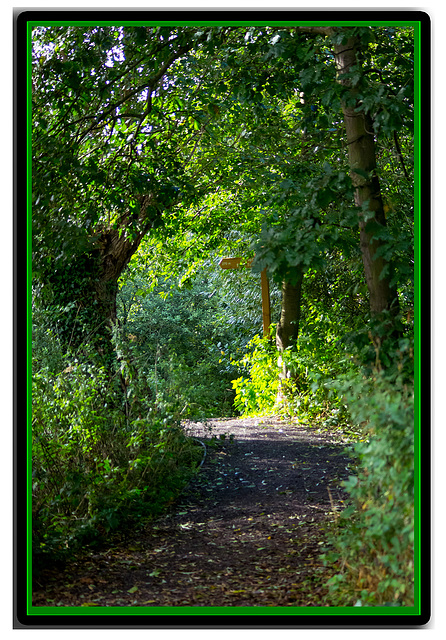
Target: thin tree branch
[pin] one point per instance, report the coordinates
(400, 155)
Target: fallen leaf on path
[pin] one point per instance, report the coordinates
(132, 590)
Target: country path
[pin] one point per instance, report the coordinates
(248, 530)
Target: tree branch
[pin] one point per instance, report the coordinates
(323, 31)
(400, 155)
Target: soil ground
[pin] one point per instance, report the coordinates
(247, 531)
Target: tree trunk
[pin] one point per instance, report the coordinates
(362, 161)
(288, 326)
(88, 286)
(115, 248)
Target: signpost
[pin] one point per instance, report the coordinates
(235, 263)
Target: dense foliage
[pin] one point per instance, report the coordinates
(375, 534)
(106, 453)
(156, 151)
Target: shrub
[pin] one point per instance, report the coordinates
(99, 461)
(311, 363)
(176, 336)
(256, 393)
(373, 545)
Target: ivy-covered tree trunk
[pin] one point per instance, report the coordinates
(362, 161)
(86, 288)
(115, 247)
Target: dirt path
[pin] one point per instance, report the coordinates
(246, 532)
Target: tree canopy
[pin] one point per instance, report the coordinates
(215, 132)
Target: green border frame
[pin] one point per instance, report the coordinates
(297, 612)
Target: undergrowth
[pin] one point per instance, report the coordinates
(373, 542)
(107, 452)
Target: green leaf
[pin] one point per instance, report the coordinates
(133, 589)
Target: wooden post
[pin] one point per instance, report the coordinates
(234, 263)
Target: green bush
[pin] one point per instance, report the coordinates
(175, 335)
(256, 393)
(302, 394)
(315, 361)
(198, 391)
(102, 458)
(47, 349)
(373, 544)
